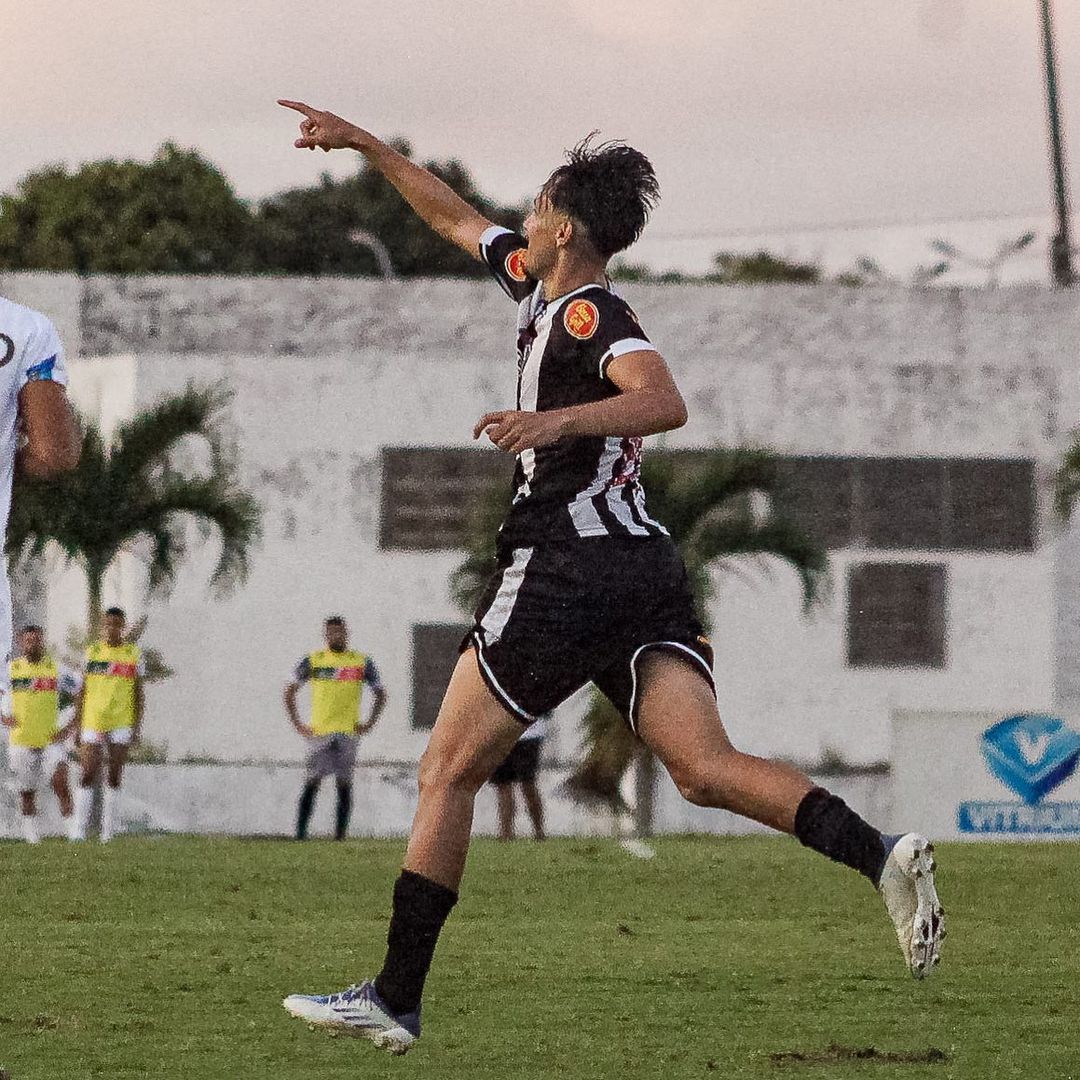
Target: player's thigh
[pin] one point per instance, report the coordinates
(25, 764)
(677, 715)
(117, 751)
(90, 755)
(473, 732)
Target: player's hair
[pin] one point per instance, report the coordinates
(334, 620)
(117, 611)
(609, 188)
(31, 627)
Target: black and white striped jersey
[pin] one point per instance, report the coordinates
(577, 487)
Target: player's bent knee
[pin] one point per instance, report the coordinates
(701, 783)
(446, 772)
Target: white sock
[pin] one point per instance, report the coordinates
(84, 802)
(30, 829)
(71, 826)
(110, 812)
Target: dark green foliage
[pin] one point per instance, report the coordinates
(129, 491)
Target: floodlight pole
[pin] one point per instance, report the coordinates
(1060, 243)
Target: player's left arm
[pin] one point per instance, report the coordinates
(378, 691)
(648, 403)
(140, 701)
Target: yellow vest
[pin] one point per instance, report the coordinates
(109, 689)
(336, 681)
(34, 701)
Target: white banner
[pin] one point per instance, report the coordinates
(992, 776)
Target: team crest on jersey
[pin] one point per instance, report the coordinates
(581, 319)
(515, 265)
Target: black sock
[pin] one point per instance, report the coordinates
(307, 804)
(421, 906)
(827, 824)
(344, 809)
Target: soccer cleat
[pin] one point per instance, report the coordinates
(358, 1011)
(907, 886)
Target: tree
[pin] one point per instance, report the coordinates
(129, 489)
(760, 268)
(719, 505)
(311, 230)
(174, 214)
(1066, 484)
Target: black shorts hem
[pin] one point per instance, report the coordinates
(522, 716)
(676, 648)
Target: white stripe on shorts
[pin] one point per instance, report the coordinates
(498, 615)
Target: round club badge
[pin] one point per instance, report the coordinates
(515, 264)
(581, 319)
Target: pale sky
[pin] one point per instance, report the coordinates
(768, 121)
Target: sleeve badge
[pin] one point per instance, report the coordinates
(515, 264)
(581, 319)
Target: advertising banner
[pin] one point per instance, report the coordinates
(994, 776)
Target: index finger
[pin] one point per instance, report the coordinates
(484, 421)
(300, 107)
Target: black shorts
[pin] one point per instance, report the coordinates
(520, 765)
(556, 616)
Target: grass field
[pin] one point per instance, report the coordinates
(727, 958)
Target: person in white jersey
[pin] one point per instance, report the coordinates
(38, 430)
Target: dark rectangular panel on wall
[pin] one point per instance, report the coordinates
(429, 494)
(818, 493)
(434, 654)
(896, 615)
(901, 503)
(993, 505)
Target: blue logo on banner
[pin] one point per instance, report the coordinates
(1032, 754)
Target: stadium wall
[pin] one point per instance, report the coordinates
(328, 372)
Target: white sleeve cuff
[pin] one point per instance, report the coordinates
(491, 234)
(621, 348)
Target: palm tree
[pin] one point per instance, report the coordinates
(129, 490)
(720, 506)
(1067, 479)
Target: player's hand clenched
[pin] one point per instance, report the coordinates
(514, 431)
(323, 130)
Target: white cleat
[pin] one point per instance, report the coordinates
(358, 1011)
(907, 886)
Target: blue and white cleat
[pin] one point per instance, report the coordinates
(907, 887)
(360, 1012)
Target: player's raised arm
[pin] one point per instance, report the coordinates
(436, 203)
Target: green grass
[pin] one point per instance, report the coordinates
(727, 958)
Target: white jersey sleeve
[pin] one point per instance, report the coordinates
(39, 354)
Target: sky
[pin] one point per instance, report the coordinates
(822, 129)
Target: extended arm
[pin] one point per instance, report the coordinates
(648, 402)
(437, 204)
(53, 441)
(140, 705)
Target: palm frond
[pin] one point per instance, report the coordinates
(1066, 485)
(719, 537)
(610, 747)
(146, 440)
(468, 580)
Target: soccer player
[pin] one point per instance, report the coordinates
(37, 742)
(520, 767)
(109, 712)
(337, 675)
(38, 431)
(588, 586)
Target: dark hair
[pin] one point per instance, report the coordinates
(29, 627)
(118, 612)
(334, 620)
(609, 188)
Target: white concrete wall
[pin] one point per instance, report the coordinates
(328, 371)
(260, 800)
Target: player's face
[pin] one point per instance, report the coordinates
(114, 630)
(337, 637)
(543, 229)
(32, 644)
